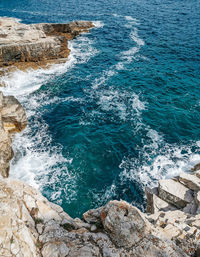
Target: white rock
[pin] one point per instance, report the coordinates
(175, 193)
(190, 181)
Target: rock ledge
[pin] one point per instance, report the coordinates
(36, 45)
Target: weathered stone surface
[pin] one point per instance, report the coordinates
(196, 167)
(13, 115)
(155, 203)
(190, 208)
(175, 193)
(117, 215)
(6, 152)
(190, 181)
(125, 230)
(93, 216)
(12, 119)
(22, 45)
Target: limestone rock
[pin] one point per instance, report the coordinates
(190, 181)
(197, 173)
(32, 225)
(155, 203)
(175, 193)
(12, 119)
(13, 115)
(196, 167)
(93, 216)
(36, 44)
(125, 223)
(6, 152)
(190, 208)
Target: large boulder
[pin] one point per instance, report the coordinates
(155, 203)
(125, 224)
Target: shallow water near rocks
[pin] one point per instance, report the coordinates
(122, 113)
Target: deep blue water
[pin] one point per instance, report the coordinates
(123, 112)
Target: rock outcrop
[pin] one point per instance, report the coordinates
(36, 45)
(31, 226)
(12, 119)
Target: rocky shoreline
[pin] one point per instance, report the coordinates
(36, 45)
(31, 226)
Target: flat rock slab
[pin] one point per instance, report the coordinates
(191, 181)
(161, 205)
(175, 193)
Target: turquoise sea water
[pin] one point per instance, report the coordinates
(123, 112)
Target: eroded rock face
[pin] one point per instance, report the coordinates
(12, 119)
(25, 45)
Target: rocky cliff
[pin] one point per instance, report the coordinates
(31, 226)
(36, 45)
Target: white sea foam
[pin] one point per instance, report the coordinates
(22, 83)
(123, 104)
(198, 143)
(131, 20)
(131, 54)
(98, 24)
(125, 56)
(158, 160)
(135, 37)
(104, 77)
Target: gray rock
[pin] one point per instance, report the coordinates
(125, 224)
(196, 167)
(12, 119)
(156, 204)
(126, 231)
(93, 216)
(197, 173)
(175, 193)
(190, 181)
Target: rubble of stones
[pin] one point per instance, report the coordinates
(31, 226)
